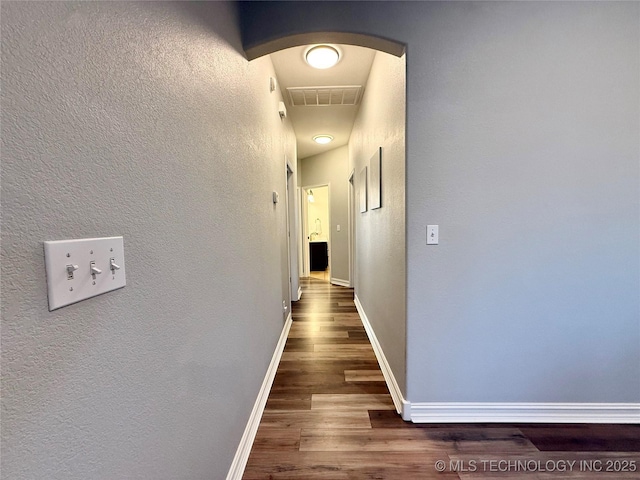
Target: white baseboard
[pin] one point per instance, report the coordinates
(299, 293)
(402, 406)
(525, 412)
(246, 442)
(497, 412)
(340, 282)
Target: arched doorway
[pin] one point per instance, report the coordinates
(379, 234)
(358, 39)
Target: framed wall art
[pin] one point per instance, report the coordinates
(363, 190)
(375, 180)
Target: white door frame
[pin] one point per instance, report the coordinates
(352, 228)
(304, 239)
(305, 226)
(300, 231)
(288, 175)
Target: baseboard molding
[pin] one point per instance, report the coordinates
(299, 293)
(525, 412)
(246, 442)
(402, 406)
(340, 282)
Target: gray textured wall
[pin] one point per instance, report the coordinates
(143, 120)
(523, 145)
(331, 168)
(529, 134)
(380, 236)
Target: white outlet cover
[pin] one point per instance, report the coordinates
(63, 291)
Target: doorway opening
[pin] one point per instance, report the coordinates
(357, 107)
(317, 235)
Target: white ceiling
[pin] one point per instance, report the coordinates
(336, 120)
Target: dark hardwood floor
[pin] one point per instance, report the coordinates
(329, 416)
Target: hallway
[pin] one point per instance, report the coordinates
(330, 416)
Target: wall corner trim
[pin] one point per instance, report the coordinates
(246, 442)
(525, 412)
(340, 282)
(402, 406)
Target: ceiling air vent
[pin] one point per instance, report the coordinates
(324, 96)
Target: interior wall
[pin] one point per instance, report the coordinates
(331, 168)
(143, 120)
(380, 233)
(525, 158)
(522, 145)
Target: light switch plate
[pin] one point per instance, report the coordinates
(432, 234)
(66, 285)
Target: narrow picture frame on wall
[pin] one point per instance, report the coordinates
(363, 190)
(375, 180)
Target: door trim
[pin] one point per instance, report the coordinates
(305, 226)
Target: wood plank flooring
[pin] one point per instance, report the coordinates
(329, 416)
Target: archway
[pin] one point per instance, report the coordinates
(358, 39)
(382, 245)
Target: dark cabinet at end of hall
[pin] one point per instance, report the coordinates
(319, 256)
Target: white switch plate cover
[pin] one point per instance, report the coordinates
(432, 234)
(58, 254)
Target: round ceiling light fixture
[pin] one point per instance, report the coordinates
(322, 56)
(322, 139)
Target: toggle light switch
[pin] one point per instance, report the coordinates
(432, 234)
(94, 270)
(68, 278)
(70, 270)
(113, 266)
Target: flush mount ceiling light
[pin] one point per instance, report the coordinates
(322, 56)
(322, 139)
